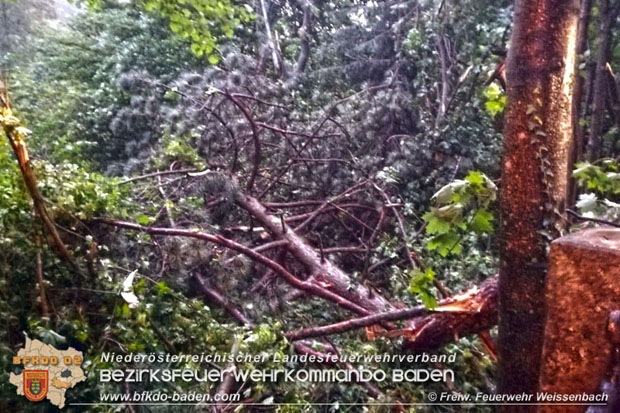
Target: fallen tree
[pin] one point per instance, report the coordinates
(317, 265)
(279, 270)
(432, 330)
(470, 312)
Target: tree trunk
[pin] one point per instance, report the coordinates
(579, 89)
(320, 269)
(305, 33)
(608, 15)
(12, 129)
(538, 133)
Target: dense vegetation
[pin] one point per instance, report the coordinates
(371, 130)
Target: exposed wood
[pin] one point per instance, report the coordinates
(467, 305)
(581, 293)
(16, 136)
(433, 330)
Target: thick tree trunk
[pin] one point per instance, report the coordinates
(538, 134)
(608, 13)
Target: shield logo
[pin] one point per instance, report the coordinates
(36, 384)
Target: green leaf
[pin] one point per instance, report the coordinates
(481, 223)
(420, 285)
(162, 288)
(213, 59)
(437, 226)
(197, 49)
(428, 300)
(475, 177)
(143, 219)
(444, 244)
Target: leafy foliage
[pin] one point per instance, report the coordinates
(202, 22)
(495, 99)
(602, 181)
(461, 206)
(603, 178)
(94, 118)
(420, 285)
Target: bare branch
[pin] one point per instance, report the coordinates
(597, 220)
(215, 296)
(257, 143)
(312, 288)
(465, 305)
(162, 173)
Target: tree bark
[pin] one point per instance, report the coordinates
(305, 33)
(538, 133)
(578, 91)
(427, 331)
(310, 287)
(16, 138)
(319, 269)
(608, 14)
